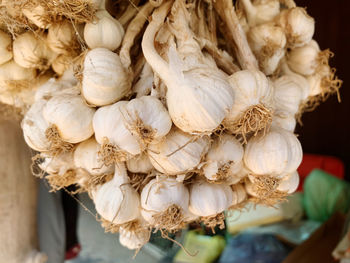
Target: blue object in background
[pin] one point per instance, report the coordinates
(254, 248)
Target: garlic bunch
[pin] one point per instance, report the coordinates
(178, 153)
(29, 51)
(116, 201)
(164, 202)
(208, 199)
(86, 157)
(5, 47)
(260, 11)
(275, 153)
(139, 164)
(61, 38)
(105, 32)
(298, 26)
(267, 41)
(71, 116)
(224, 159)
(105, 80)
(251, 111)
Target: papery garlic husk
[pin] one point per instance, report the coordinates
(288, 94)
(252, 109)
(104, 32)
(105, 81)
(267, 41)
(5, 47)
(71, 116)
(164, 203)
(116, 201)
(298, 26)
(261, 11)
(178, 153)
(86, 157)
(118, 143)
(274, 153)
(61, 64)
(147, 119)
(54, 87)
(224, 159)
(135, 235)
(284, 120)
(208, 199)
(239, 194)
(36, 16)
(34, 126)
(139, 164)
(30, 51)
(61, 38)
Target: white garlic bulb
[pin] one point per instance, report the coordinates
(11, 71)
(261, 11)
(34, 126)
(5, 47)
(36, 16)
(178, 152)
(289, 183)
(284, 120)
(59, 164)
(116, 201)
(105, 32)
(71, 116)
(208, 199)
(224, 159)
(239, 193)
(274, 153)
(253, 94)
(160, 194)
(61, 37)
(323, 81)
(134, 239)
(54, 87)
(86, 157)
(139, 164)
(298, 26)
(105, 81)
(29, 51)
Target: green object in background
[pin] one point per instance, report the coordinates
(324, 195)
(205, 248)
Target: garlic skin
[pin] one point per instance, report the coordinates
(117, 201)
(35, 15)
(209, 199)
(148, 119)
(31, 52)
(5, 47)
(139, 164)
(284, 120)
(298, 26)
(58, 165)
(105, 81)
(34, 126)
(108, 123)
(161, 193)
(133, 239)
(224, 159)
(306, 59)
(106, 32)
(54, 87)
(275, 153)
(71, 116)
(179, 152)
(86, 157)
(239, 194)
(61, 37)
(260, 11)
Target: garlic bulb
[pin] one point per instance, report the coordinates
(134, 239)
(61, 37)
(116, 201)
(179, 152)
(86, 157)
(209, 199)
(104, 79)
(36, 16)
(5, 47)
(289, 183)
(61, 64)
(55, 87)
(284, 120)
(298, 26)
(239, 193)
(305, 60)
(323, 82)
(71, 116)
(34, 126)
(139, 164)
(254, 98)
(224, 158)
(260, 11)
(31, 52)
(267, 41)
(59, 164)
(161, 198)
(106, 32)
(11, 71)
(274, 153)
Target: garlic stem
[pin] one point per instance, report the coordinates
(227, 13)
(129, 14)
(250, 11)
